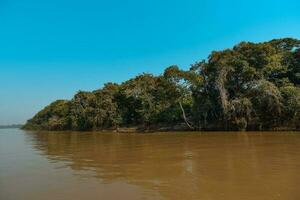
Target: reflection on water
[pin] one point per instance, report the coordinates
(233, 166)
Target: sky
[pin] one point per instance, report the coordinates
(51, 49)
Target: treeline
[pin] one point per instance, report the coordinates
(253, 86)
(11, 126)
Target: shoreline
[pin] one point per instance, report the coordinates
(160, 130)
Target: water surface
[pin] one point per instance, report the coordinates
(110, 166)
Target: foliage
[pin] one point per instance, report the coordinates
(251, 86)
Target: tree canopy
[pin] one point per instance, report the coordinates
(252, 86)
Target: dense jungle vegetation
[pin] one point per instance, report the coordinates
(253, 86)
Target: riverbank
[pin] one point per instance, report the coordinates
(181, 128)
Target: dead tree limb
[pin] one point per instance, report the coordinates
(184, 116)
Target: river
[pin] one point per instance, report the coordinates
(175, 166)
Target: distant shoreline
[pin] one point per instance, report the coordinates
(11, 126)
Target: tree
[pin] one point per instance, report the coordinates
(52, 117)
(267, 104)
(183, 83)
(107, 111)
(291, 106)
(82, 110)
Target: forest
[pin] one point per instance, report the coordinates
(252, 86)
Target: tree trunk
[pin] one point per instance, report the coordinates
(184, 116)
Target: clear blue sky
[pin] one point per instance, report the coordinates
(49, 49)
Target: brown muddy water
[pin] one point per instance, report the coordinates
(176, 166)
